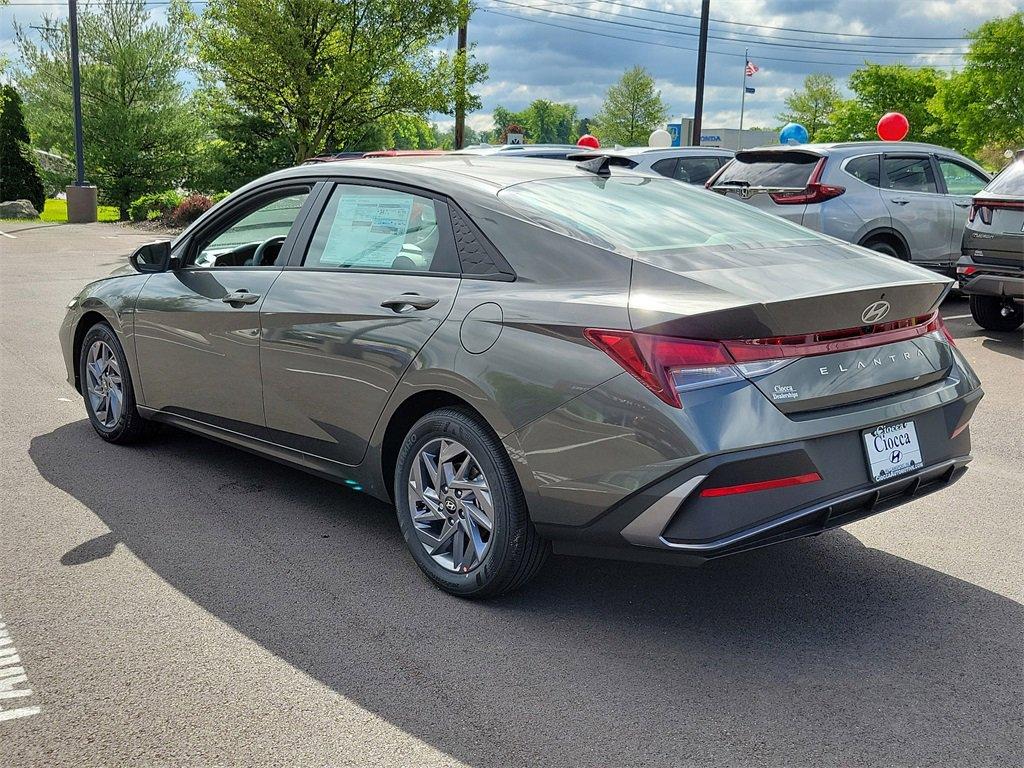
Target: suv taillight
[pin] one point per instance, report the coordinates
(814, 192)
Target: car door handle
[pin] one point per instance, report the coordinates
(899, 200)
(241, 296)
(408, 301)
(961, 204)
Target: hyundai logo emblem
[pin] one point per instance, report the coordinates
(874, 312)
(895, 457)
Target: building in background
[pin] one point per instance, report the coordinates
(727, 138)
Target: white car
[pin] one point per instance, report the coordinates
(694, 165)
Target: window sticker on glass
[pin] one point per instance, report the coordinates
(368, 231)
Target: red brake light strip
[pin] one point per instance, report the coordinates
(764, 485)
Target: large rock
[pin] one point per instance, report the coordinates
(18, 209)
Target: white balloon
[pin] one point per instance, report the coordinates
(660, 139)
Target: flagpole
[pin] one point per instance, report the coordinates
(743, 96)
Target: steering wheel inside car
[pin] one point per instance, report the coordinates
(261, 250)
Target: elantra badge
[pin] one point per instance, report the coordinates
(874, 312)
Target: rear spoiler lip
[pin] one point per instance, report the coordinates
(778, 150)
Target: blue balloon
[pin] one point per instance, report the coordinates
(793, 133)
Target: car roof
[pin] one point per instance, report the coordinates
(658, 151)
(824, 148)
(443, 173)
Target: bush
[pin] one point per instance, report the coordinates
(190, 209)
(155, 205)
(19, 179)
(216, 198)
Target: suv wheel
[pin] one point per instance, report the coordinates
(881, 246)
(461, 508)
(107, 387)
(987, 312)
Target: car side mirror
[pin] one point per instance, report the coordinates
(152, 257)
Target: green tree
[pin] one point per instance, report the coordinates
(984, 104)
(544, 122)
(812, 106)
(398, 131)
(19, 173)
(139, 134)
(324, 70)
(881, 88)
(632, 109)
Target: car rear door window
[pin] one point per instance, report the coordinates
(697, 170)
(910, 174)
(666, 167)
(865, 168)
(961, 180)
(368, 228)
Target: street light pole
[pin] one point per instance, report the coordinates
(76, 93)
(81, 197)
(702, 59)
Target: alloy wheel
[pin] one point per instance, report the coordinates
(104, 385)
(451, 506)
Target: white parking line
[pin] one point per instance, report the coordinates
(10, 236)
(12, 676)
(956, 317)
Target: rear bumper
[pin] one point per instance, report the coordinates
(670, 520)
(991, 280)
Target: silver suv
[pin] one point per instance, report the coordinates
(693, 165)
(907, 200)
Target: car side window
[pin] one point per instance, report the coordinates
(697, 170)
(666, 167)
(865, 168)
(254, 239)
(910, 174)
(961, 180)
(378, 229)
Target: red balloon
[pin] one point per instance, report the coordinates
(893, 126)
(588, 141)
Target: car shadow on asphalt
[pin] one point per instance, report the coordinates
(819, 651)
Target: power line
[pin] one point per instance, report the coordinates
(767, 26)
(646, 27)
(519, 17)
(752, 35)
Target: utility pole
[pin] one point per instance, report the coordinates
(702, 59)
(460, 76)
(81, 196)
(76, 93)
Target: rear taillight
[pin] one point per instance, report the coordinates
(982, 209)
(814, 192)
(666, 365)
(966, 271)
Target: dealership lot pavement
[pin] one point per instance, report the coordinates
(184, 603)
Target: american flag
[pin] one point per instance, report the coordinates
(751, 68)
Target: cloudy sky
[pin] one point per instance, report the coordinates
(572, 50)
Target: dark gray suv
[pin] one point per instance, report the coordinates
(533, 355)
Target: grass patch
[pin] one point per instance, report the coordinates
(57, 211)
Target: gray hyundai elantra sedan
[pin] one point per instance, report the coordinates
(535, 355)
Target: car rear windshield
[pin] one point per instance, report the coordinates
(1010, 180)
(788, 170)
(636, 215)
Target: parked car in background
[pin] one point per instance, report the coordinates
(535, 151)
(693, 165)
(906, 200)
(991, 269)
(523, 355)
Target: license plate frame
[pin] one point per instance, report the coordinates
(892, 450)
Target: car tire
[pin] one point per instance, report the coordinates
(987, 312)
(513, 551)
(881, 246)
(107, 387)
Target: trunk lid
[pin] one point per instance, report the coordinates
(823, 290)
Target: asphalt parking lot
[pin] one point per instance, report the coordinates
(184, 603)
